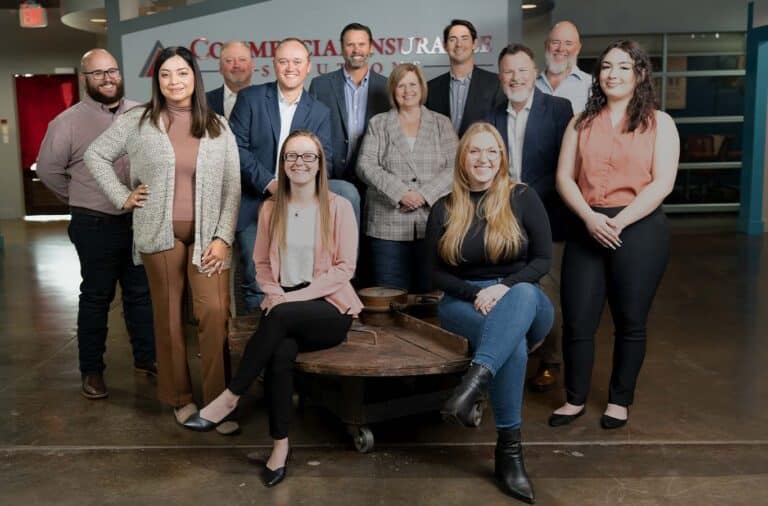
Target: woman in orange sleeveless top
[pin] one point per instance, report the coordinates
(617, 164)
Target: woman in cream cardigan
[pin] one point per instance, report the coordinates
(305, 252)
(185, 195)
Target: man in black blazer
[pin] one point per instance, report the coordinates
(467, 93)
(532, 125)
(236, 67)
(353, 93)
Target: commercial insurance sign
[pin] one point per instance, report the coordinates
(403, 31)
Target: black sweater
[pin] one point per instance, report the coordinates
(529, 265)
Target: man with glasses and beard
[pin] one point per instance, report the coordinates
(563, 77)
(100, 232)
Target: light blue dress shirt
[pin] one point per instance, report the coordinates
(575, 87)
(356, 102)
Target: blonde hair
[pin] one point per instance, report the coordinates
(277, 223)
(397, 75)
(503, 236)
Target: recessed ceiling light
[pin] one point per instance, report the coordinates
(98, 20)
(529, 6)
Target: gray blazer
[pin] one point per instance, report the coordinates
(390, 169)
(217, 183)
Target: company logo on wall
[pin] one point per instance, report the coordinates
(399, 48)
(149, 65)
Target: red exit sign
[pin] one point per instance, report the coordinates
(32, 15)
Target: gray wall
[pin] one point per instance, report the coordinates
(27, 51)
(596, 17)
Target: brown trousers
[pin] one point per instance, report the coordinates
(167, 272)
(551, 351)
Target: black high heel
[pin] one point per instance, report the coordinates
(271, 478)
(509, 471)
(458, 408)
(199, 424)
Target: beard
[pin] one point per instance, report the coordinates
(558, 68)
(98, 96)
(356, 64)
(518, 96)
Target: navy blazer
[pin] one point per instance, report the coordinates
(216, 100)
(329, 89)
(483, 96)
(255, 121)
(547, 121)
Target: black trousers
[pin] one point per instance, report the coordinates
(628, 277)
(287, 329)
(104, 246)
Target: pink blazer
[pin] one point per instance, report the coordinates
(332, 270)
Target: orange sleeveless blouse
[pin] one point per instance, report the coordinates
(613, 166)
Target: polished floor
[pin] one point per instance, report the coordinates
(698, 432)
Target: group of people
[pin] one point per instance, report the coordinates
(483, 186)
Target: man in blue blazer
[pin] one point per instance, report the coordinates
(532, 125)
(261, 120)
(467, 93)
(236, 67)
(353, 93)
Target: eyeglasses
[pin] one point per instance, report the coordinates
(101, 74)
(491, 154)
(306, 157)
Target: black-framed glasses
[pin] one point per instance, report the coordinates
(306, 157)
(101, 74)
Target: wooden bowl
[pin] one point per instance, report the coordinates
(377, 299)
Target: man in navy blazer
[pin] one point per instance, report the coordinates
(262, 118)
(467, 93)
(236, 67)
(353, 93)
(532, 125)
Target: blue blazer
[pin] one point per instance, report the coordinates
(329, 89)
(255, 121)
(544, 131)
(216, 100)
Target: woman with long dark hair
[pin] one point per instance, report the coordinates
(305, 253)
(617, 164)
(185, 195)
(490, 244)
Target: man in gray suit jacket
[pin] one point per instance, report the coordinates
(353, 93)
(467, 93)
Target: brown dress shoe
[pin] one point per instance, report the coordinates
(94, 387)
(545, 378)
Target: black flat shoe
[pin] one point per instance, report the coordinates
(271, 478)
(609, 422)
(556, 420)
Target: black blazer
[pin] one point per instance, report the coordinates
(329, 89)
(544, 131)
(484, 95)
(216, 99)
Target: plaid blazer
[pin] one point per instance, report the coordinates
(390, 168)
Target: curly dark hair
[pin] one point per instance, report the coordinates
(642, 106)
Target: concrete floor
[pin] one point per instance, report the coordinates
(697, 432)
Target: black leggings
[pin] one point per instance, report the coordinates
(287, 329)
(628, 277)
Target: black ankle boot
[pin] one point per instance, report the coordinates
(510, 468)
(458, 408)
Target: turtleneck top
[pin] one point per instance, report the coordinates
(178, 121)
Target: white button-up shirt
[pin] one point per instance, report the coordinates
(516, 123)
(575, 87)
(287, 110)
(229, 101)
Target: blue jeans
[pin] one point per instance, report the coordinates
(104, 246)
(399, 264)
(349, 192)
(252, 294)
(501, 340)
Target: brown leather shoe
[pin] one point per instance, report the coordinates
(94, 387)
(545, 378)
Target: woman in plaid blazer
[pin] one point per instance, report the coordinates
(406, 159)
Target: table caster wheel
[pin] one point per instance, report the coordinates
(363, 439)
